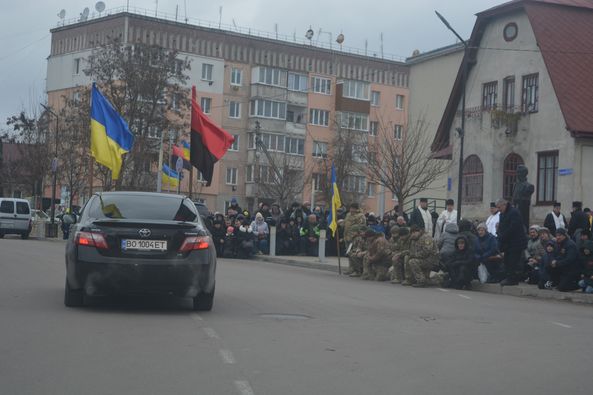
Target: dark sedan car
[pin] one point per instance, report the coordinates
(140, 243)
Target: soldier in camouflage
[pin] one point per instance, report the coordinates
(400, 255)
(423, 255)
(353, 218)
(377, 260)
(357, 251)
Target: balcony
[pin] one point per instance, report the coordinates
(297, 98)
(298, 129)
(267, 125)
(269, 92)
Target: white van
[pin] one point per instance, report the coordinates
(15, 217)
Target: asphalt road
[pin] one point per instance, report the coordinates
(283, 330)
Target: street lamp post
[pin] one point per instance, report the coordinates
(460, 130)
(54, 166)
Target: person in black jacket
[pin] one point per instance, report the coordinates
(555, 219)
(565, 270)
(512, 241)
(421, 217)
(578, 220)
(218, 237)
(461, 265)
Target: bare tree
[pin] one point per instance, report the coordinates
(281, 178)
(403, 164)
(145, 85)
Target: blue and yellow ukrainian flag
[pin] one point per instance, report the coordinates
(110, 134)
(336, 204)
(170, 177)
(185, 147)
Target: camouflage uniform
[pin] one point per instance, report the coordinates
(350, 224)
(400, 255)
(357, 252)
(422, 256)
(377, 260)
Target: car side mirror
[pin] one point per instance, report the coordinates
(69, 219)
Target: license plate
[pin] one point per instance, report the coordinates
(143, 245)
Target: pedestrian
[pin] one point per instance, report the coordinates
(446, 243)
(555, 219)
(550, 254)
(578, 220)
(421, 217)
(261, 232)
(448, 216)
(493, 219)
(357, 251)
(565, 271)
(586, 260)
(377, 259)
(460, 266)
(310, 233)
(399, 256)
(353, 218)
(535, 252)
(218, 237)
(423, 257)
(512, 241)
(486, 251)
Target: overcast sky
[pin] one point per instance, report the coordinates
(406, 25)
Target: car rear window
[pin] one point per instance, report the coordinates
(149, 207)
(7, 207)
(22, 208)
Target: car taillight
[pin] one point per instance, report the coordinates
(195, 243)
(91, 239)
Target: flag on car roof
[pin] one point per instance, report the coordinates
(209, 142)
(110, 134)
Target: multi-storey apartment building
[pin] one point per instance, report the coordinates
(297, 96)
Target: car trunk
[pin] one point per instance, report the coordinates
(118, 233)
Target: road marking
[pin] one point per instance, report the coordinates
(443, 290)
(227, 356)
(196, 318)
(243, 387)
(463, 296)
(562, 325)
(211, 333)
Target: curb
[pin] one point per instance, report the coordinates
(522, 291)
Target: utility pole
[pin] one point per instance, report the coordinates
(256, 167)
(54, 169)
(460, 130)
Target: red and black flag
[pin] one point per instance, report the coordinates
(179, 152)
(209, 142)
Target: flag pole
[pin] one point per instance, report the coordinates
(159, 177)
(91, 176)
(191, 181)
(337, 236)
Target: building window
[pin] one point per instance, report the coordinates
(235, 145)
(399, 102)
(297, 82)
(508, 91)
(207, 71)
(321, 85)
(489, 95)
(269, 76)
(547, 177)
(76, 97)
(249, 173)
(353, 120)
(296, 114)
(295, 146)
(530, 94)
(356, 89)
(355, 184)
(397, 132)
(231, 176)
(370, 190)
(375, 98)
(509, 177)
(473, 179)
(234, 109)
(206, 104)
(319, 149)
(77, 66)
(319, 117)
(273, 142)
(318, 183)
(236, 76)
(374, 128)
(268, 109)
(268, 175)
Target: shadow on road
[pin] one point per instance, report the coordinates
(160, 305)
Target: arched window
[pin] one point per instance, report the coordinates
(509, 175)
(473, 179)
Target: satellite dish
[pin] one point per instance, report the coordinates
(340, 39)
(310, 33)
(100, 6)
(84, 15)
(62, 14)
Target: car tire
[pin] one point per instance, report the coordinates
(73, 298)
(204, 301)
(25, 236)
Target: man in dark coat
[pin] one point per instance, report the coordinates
(578, 220)
(512, 241)
(421, 217)
(555, 219)
(565, 270)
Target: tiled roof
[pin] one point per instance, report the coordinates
(564, 33)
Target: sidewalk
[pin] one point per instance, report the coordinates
(522, 290)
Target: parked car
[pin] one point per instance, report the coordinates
(15, 217)
(139, 243)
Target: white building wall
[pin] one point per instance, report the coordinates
(541, 131)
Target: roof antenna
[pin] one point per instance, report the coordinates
(185, 7)
(276, 30)
(219, 17)
(382, 55)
